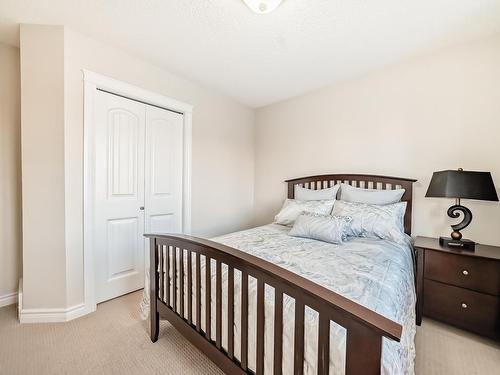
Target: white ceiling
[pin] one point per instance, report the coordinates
(260, 59)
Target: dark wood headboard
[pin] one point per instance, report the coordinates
(359, 180)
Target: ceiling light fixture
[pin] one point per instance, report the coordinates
(262, 6)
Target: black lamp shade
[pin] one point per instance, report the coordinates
(462, 184)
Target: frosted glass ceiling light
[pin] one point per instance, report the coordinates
(262, 6)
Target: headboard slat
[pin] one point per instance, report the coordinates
(360, 180)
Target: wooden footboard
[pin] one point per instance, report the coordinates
(365, 328)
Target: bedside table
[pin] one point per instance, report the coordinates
(460, 288)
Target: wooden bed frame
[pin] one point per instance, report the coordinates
(365, 328)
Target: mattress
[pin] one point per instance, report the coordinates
(377, 274)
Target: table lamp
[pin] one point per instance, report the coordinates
(460, 184)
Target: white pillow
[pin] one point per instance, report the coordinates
(325, 228)
(303, 194)
(292, 208)
(374, 221)
(371, 196)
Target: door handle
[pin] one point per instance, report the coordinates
(141, 208)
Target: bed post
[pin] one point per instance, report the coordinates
(363, 351)
(153, 291)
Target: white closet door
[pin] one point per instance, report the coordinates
(164, 164)
(119, 149)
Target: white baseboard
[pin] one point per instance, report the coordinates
(49, 315)
(52, 315)
(8, 299)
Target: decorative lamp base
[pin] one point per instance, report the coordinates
(462, 244)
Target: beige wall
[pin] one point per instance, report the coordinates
(10, 171)
(42, 135)
(223, 154)
(436, 112)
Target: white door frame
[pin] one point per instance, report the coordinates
(92, 82)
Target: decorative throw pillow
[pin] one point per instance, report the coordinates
(292, 208)
(371, 196)
(325, 228)
(303, 194)
(374, 221)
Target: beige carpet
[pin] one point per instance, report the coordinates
(443, 350)
(112, 340)
(115, 341)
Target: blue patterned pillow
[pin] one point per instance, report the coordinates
(325, 228)
(350, 193)
(292, 208)
(374, 221)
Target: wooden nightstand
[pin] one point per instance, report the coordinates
(459, 287)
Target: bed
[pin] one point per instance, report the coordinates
(274, 304)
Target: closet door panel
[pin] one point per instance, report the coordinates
(119, 128)
(164, 164)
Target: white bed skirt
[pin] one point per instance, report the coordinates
(144, 305)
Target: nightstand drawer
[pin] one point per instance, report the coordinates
(464, 308)
(478, 274)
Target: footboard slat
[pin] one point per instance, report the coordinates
(244, 320)
(218, 305)
(298, 349)
(365, 328)
(190, 287)
(161, 273)
(230, 312)
(260, 327)
(198, 292)
(181, 281)
(167, 274)
(174, 278)
(278, 331)
(323, 345)
(208, 297)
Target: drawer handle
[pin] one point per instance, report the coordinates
(464, 305)
(465, 272)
